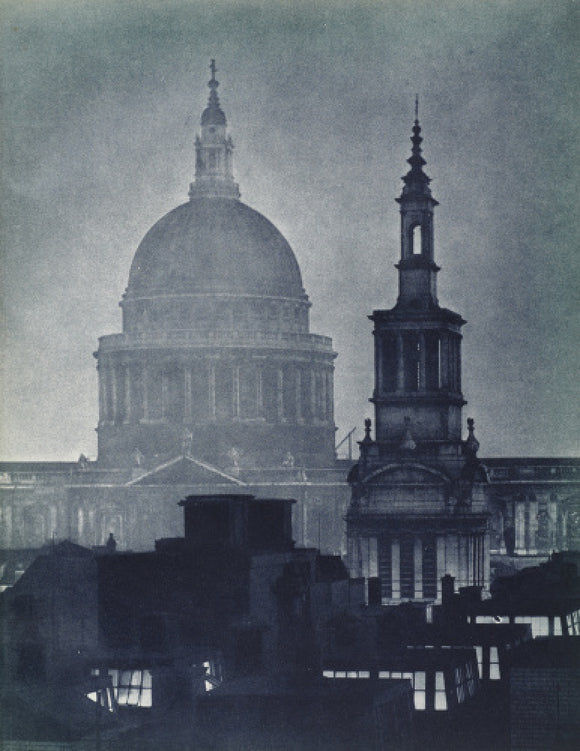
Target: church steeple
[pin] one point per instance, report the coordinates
(213, 151)
(417, 267)
(417, 343)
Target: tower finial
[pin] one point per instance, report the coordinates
(213, 69)
(416, 108)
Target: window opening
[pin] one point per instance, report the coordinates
(440, 696)
(416, 244)
(133, 688)
(494, 668)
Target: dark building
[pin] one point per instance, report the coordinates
(232, 600)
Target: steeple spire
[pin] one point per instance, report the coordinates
(417, 268)
(213, 151)
(416, 181)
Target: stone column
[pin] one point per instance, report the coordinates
(211, 390)
(236, 391)
(323, 399)
(396, 568)
(187, 411)
(422, 363)
(452, 556)
(418, 566)
(463, 557)
(114, 392)
(444, 361)
(373, 557)
(441, 565)
(128, 394)
(145, 386)
(102, 395)
(280, 394)
(400, 363)
(259, 393)
(164, 396)
(329, 397)
(299, 417)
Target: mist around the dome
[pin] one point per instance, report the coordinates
(101, 104)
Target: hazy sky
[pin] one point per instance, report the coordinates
(100, 105)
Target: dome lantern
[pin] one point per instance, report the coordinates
(213, 151)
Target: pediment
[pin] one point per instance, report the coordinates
(184, 470)
(406, 474)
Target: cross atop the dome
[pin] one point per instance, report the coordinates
(213, 69)
(416, 106)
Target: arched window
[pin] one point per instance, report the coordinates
(416, 241)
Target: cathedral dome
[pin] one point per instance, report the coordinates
(215, 245)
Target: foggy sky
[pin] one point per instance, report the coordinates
(100, 106)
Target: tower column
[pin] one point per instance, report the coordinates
(418, 561)
(400, 363)
(299, 417)
(114, 393)
(236, 391)
(211, 391)
(260, 392)
(128, 394)
(280, 394)
(145, 378)
(396, 568)
(422, 363)
(187, 405)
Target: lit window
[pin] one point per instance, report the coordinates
(133, 688)
(328, 673)
(494, 669)
(419, 689)
(104, 696)
(212, 674)
(384, 674)
(440, 696)
(539, 624)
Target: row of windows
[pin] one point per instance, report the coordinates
(134, 688)
(463, 681)
(542, 625)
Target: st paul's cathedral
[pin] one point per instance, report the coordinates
(217, 385)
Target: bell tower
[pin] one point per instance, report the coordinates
(418, 508)
(418, 343)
